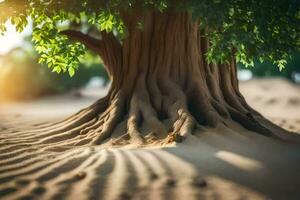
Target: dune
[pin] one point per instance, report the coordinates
(214, 163)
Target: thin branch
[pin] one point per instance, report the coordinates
(108, 48)
(89, 41)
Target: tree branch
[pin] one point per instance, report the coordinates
(89, 41)
(108, 48)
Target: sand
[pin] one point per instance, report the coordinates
(217, 163)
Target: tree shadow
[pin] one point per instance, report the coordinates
(262, 164)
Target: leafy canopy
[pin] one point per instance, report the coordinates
(269, 29)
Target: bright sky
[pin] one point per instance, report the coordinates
(11, 38)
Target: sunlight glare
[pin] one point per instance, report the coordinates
(239, 161)
(12, 38)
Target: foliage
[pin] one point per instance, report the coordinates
(269, 29)
(87, 69)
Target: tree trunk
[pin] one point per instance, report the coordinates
(160, 74)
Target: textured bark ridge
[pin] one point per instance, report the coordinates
(159, 75)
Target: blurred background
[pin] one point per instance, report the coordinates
(268, 70)
(22, 78)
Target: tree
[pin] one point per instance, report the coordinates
(167, 59)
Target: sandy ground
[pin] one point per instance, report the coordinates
(212, 164)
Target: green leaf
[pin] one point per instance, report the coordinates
(281, 64)
(56, 69)
(71, 71)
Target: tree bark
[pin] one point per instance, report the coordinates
(160, 74)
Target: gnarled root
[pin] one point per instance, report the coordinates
(177, 110)
(182, 127)
(110, 118)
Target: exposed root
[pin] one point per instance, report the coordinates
(133, 121)
(111, 118)
(248, 122)
(182, 127)
(176, 107)
(95, 127)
